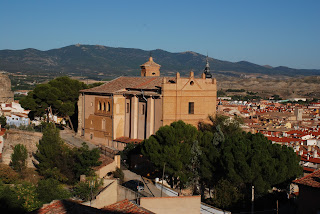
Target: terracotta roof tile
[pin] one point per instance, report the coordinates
(104, 161)
(122, 83)
(312, 180)
(126, 206)
(66, 207)
(128, 140)
(150, 63)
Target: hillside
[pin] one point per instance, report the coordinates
(97, 61)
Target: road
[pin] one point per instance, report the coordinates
(70, 138)
(150, 189)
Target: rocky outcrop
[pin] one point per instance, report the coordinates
(6, 95)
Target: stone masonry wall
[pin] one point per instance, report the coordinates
(14, 137)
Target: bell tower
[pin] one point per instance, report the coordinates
(150, 68)
(207, 69)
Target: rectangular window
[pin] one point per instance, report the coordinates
(128, 107)
(191, 107)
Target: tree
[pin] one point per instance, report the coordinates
(226, 194)
(27, 194)
(19, 157)
(51, 189)
(10, 202)
(171, 145)
(242, 160)
(227, 125)
(3, 121)
(55, 159)
(194, 167)
(86, 189)
(59, 95)
(84, 160)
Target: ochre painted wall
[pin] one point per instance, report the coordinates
(176, 97)
(172, 205)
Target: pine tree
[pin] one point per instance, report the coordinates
(19, 158)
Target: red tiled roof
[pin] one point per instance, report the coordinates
(311, 159)
(312, 180)
(284, 139)
(150, 62)
(67, 206)
(308, 169)
(126, 206)
(128, 140)
(104, 161)
(121, 83)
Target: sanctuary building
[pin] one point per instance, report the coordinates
(130, 109)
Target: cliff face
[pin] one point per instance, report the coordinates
(6, 95)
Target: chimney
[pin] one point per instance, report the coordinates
(301, 152)
(191, 74)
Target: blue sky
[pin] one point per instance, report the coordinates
(273, 32)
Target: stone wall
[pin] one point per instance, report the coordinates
(6, 95)
(14, 137)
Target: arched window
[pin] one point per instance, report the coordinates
(108, 106)
(99, 106)
(104, 106)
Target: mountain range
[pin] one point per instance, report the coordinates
(101, 61)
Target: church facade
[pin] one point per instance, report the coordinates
(130, 109)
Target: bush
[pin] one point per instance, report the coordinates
(86, 189)
(7, 174)
(19, 158)
(3, 121)
(51, 189)
(118, 173)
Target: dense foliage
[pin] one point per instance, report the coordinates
(58, 96)
(58, 161)
(23, 190)
(229, 162)
(86, 189)
(171, 146)
(51, 189)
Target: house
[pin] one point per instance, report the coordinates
(15, 114)
(130, 109)
(309, 193)
(17, 120)
(2, 132)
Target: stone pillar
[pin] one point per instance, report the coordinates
(134, 117)
(150, 117)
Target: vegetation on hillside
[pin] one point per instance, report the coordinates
(57, 177)
(95, 59)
